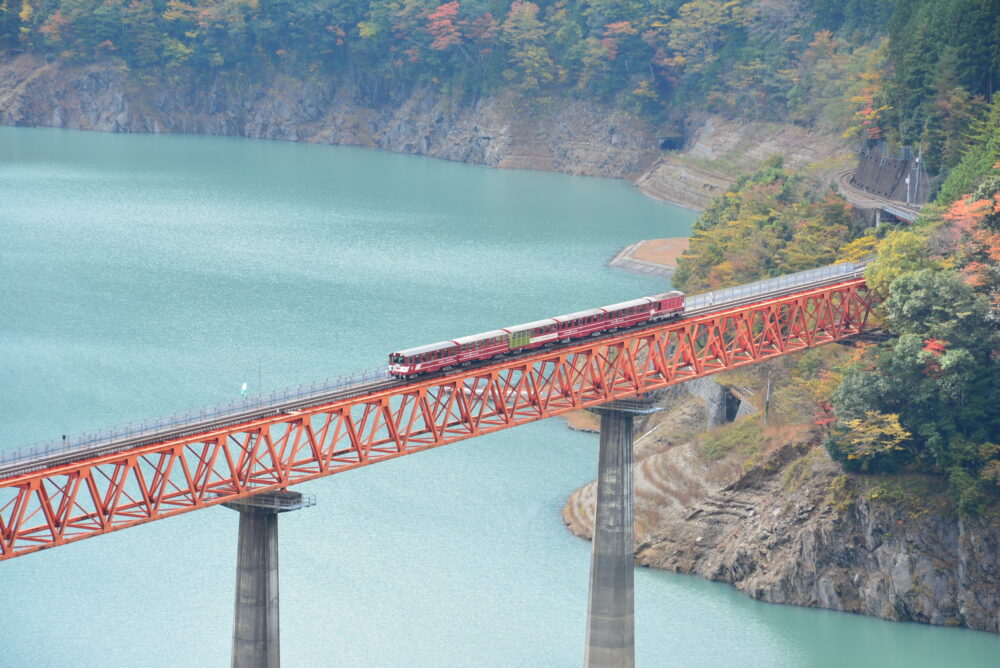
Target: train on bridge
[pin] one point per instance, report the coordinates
(416, 364)
(494, 345)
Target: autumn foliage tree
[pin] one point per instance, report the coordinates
(742, 57)
(941, 375)
(768, 224)
(443, 26)
(531, 67)
(871, 442)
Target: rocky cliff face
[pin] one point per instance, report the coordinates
(786, 526)
(572, 136)
(576, 137)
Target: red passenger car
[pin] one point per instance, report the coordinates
(490, 345)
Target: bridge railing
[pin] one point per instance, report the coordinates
(128, 434)
(769, 286)
(153, 426)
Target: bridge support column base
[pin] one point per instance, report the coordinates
(611, 608)
(255, 620)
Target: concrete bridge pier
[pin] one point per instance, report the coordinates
(611, 608)
(255, 622)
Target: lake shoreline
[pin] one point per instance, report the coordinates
(651, 256)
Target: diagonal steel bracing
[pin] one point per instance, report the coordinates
(105, 493)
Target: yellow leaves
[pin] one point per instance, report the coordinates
(859, 249)
(178, 11)
(901, 251)
(874, 434)
(644, 90)
(619, 28)
(991, 472)
(791, 75)
(700, 28)
(367, 30)
(26, 12)
(823, 41)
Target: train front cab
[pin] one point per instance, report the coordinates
(667, 305)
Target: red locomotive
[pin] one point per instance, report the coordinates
(500, 342)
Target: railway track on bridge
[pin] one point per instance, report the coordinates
(116, 480)
(53, 455)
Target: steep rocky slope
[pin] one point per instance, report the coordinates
(573, 136)
(720, 149)
(577, 137)
(784, 525)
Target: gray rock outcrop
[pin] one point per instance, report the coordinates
(792, 528)
(577, 137)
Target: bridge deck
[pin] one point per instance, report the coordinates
(59, 495)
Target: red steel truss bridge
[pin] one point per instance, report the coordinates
(57, 494)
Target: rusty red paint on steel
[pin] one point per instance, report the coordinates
(105, 493)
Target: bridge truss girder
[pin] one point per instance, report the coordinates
(106, 493)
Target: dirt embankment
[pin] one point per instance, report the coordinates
(652, 256)
(720, 150)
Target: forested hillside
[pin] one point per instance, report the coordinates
(926, 401)
(914, 71)
(754, 56)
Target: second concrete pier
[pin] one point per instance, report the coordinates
(256, 639)
(611, 610)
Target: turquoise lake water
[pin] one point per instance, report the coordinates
(143, 275)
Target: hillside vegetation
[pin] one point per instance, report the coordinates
(926, 401)
(802, 60)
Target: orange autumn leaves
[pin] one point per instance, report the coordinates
(976, 223)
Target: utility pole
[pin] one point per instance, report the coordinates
(767, 398)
